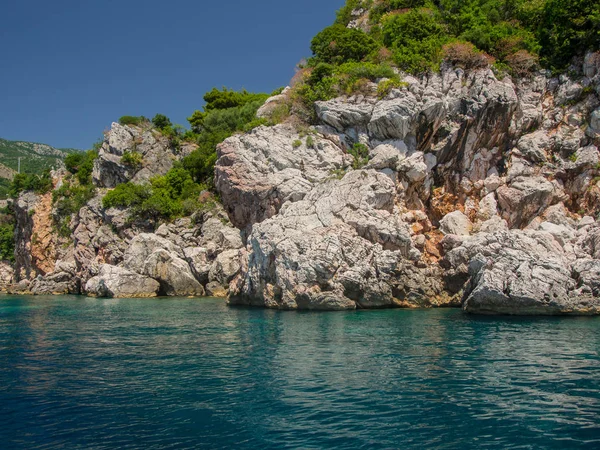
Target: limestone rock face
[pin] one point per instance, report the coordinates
(456, 223)
(117, 282)
(258, 172)
(7, 275)
(526, 273)
(339, 248)
(157, 155)
(460, 154)
(156, 257)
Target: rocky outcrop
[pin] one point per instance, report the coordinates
(258, 172)
(342, 247)
(503, 168)
(7, 275)
(157, 258)
(117, 282)
(527, 272)
(156, 152)
(457, 188)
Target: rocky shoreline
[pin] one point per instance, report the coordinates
(476, 192)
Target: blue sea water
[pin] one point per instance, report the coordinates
(183, 373)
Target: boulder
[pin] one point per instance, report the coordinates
(523, 273)
(456, 223)
(156, 257)
(117, 282)
(525, 198)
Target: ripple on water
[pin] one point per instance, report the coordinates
(193, 373)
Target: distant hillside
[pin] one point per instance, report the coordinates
(35, 158)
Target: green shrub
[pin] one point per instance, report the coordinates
(70, 198)
(132, 120)
(225, 113)
(82, 165)
(310, 142)
(386, 86)
(40, 184)
(568, 28)
(297, 143)
(126, 195)
(132, 159)
(337, 44)
(7, 242)
(161, 121)
(360, 152)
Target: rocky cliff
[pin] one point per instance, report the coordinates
(471, 191)
(476, 191)
(111, 254)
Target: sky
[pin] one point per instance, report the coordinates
(69, 68)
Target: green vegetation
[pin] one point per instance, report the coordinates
(40, 184)
(133, 120)
(225, 113)
(81, 165)
(7, 232)
(35, 159)
(164, 198)
(360, 152)
(337, 44)
(385, 87)
(161, 121)
(414, 34)
(76, 188)
(326, 81)
(132, 159)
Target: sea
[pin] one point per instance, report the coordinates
(178, 373)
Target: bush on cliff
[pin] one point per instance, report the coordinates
(337, 44)
(81, 165)
(133, 120)
(226, 112)
(7, 242)
(40, 184)
(416, 30)
(164, 198)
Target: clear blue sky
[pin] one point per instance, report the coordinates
(68, 68)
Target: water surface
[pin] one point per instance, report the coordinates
(182, 373)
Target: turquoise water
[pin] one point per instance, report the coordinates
(180, 373)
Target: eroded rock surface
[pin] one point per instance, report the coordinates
(503, 168)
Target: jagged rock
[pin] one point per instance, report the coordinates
(215, 289)
(343, 114)
(156, 257)
(594, 128)
(523, 272)
(157, 154)
(336, 249)
(394, 119)
(199, 261)
(7, 274)
(534, 146)
(456, 223)
(258, 172)
(117, 282)
(525, 198)
(225, 268)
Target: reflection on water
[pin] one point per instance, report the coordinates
(173, 373)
